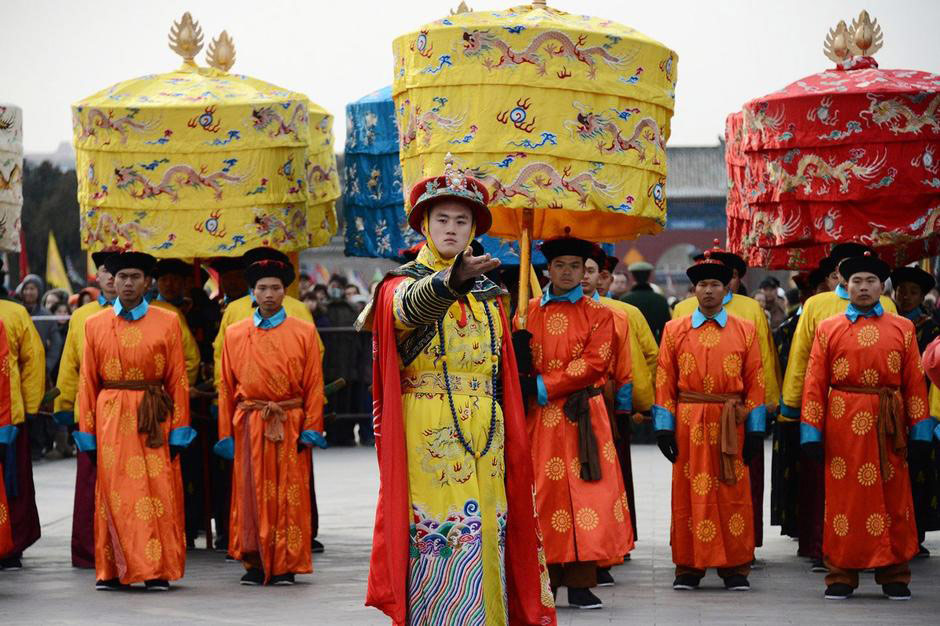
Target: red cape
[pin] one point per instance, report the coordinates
(388, 569)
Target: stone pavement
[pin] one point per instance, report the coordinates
(49, 591)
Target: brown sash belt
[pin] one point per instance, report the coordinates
(578, 410)
(273, 414)
(733, 413)
(154, 407)
(890, 420)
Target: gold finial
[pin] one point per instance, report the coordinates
(866, 35)
(461, 8)
(541, 4)
(221, 53)
(837, 43)
(186, 37)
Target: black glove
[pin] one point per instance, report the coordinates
(814, 450)
(174, 451)
(529, 388)
(666, 440)
(918, 452)
(521, 346)
(753, 444)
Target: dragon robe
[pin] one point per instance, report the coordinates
(7, 436)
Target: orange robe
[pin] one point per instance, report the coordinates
(712, 521)
(270, 517)
(572, 346)
(7, 435)
(869, 513)
(139, 529)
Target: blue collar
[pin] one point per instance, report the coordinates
(572, 296)
(914, 314)
(842, 292)
(724, 301)
(596, 297)
(134, 314)
(698, 318)
(799, 311)
(853, 314)
(177, 303)
(104, 301)
(267, 323)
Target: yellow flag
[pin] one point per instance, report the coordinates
(56, 275)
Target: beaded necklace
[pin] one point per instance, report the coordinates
(494, 360)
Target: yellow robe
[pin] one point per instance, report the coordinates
(242, 309)
(190, 349)
(27, 360)
(67, 381)
(816, 309)
(643, 354)
(750, 309)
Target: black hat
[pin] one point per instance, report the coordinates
(914, 275)
(709, 268)
(258, 254)
(223, 264)
(598, 256)
(567, 245)
(842, 251)
(176, 267)
(730, 259)
(610, 263)
(98, 258)
(130, 260)
(269, 268)
(868, 262)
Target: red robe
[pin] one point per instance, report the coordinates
(6, 430)
(869, 512)
(388, 569)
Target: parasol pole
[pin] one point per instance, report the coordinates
(525, 266)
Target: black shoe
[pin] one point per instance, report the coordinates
(819, 566)
(11, 564)
(604, 579)
(686, 582)
(838, 591)
(317, 547)
(157, 584)
(896, 591)
(737, 582)
(253, 577)
(582, 598)
(922, 553)
(282, 579)
(112, 584)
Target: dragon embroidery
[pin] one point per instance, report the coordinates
(267, 117)
(812, 167)
(899, 117)
(423, 122)
(106, 226)
(478, 42)
(182, 175)
(536, 176)
(589, 125)
(96, 119)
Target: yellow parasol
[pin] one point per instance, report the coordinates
(201, 162)
(564, 117)
(11, 176)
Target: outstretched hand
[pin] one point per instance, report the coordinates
(469, 267)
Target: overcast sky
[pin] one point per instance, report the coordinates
(53, 53)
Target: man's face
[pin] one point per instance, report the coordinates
(618, 286)
(603, 281)
(30, 293)
(770, 295)
(864, 289)
(171, 287)
(106, 282)
(322, 298)
(908, 296)
(450, 224)
(833, 280)
(269, 293)
(709, 293)
(304, 285)
(591, 277)
(131, 283)
(350, 291)
(232, 283)
(566, 272)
